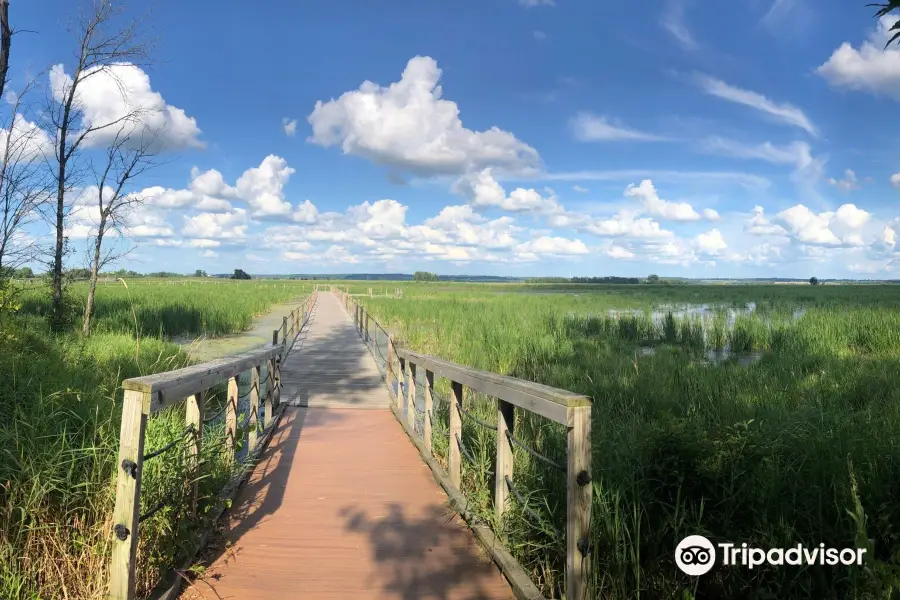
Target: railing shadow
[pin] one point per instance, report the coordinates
(259, 499)
(423, 555)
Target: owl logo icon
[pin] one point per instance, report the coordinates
(695, 555)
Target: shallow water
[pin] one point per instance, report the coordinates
(202, 349)
(705, 312)
(715, 357)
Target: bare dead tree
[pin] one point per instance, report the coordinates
(24, 185)
(129, 155)
(102, 41)
(5, 42)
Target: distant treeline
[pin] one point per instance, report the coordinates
(609, 279)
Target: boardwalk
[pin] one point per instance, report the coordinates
(341, 505)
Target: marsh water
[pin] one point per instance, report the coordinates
(706, 315)
(202, 349)
(704, 312)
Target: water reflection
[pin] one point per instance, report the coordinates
(703, 312)
(714, 357)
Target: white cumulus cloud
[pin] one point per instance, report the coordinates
(848, 183)
(673, 211)
(483, 190)
(871, 67)
(408, 126)
(122, 93)
(711, 242)
(262, 187)
(553, 245)
(290, 126)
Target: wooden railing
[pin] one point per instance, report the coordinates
(566, 408)
(145, 396)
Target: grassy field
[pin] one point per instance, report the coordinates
(167, 308)
(60, 412)
(802, 446)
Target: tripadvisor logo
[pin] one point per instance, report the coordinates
(695, 555)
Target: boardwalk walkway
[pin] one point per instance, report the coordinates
(341, 505)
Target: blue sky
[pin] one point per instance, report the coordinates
(514, 137)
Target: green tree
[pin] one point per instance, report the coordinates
(200, 273)
(240, 274)
(813, 281)
(78, 274)
(424, 276)
(24, 273)
(653, 278)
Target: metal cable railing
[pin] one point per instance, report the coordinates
(535, 453)
(250, 390)
(170, 445)
(220, 412)
(467, 413)
(531, 512)
(159, 506)
(465, 451)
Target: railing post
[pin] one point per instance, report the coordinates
(135, 408)
(506, 416)
(231, 416)
(270, 381)
(274, 337)
(284, 342)
(400, 373)
(411, 395)
(429, 402)
(254, 407)
(276, 383)
(193, 416)
(367, 327)
(456, 402)
(578, 502)
(389, 368)
(267, 411)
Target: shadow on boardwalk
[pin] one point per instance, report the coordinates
(420, 556)
(259, 499)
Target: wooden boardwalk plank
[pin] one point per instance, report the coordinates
(341, 505)
(332, 368)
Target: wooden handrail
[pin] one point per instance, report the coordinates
(149, 394)
(164, 389)
(552, 403)
(567, 408)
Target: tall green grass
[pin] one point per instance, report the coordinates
(171, 308)
(60, 412)
(801, 447)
